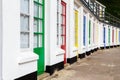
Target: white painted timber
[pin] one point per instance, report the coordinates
(0, 39)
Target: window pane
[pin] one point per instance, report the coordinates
(41, 1)
(25, 6)
(24, 23)
(40, 11)
(58, 22)
(35, 41)
(40, 26)
(64, 30)
(63, 20)
(61, 41)
(40, 40)
(36, 7)
(35, 25)
(63, 9)
(61, 30)
(24, 40)
(61, 33)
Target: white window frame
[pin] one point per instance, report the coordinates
(30, 14)
(59, 11)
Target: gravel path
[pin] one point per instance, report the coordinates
(100, 65)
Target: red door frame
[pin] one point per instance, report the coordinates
(63, 25)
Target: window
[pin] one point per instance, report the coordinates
(38, 24)
(61, 23)
(58, 22)
(24, 5)
(24, 24)
(84, 30)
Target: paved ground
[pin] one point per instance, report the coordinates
(101, 65)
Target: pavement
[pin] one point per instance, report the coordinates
(100, 65)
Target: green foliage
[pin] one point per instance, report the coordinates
(112, 6)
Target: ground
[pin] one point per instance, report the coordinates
(100, 65)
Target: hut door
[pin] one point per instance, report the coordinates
(39, 33)
(63, 28)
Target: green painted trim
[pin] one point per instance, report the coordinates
(89, 31)
(37, 18)
(38, 33)
(109, 36)
(38, 3)
(40, 50)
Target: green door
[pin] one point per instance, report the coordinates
(39, 33)
(89, 31)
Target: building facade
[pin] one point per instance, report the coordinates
(38, 36)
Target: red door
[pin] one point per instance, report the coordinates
(63, 27)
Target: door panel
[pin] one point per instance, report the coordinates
(63, 26)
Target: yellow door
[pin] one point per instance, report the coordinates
(76, 30)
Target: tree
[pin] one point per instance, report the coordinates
(112, 6)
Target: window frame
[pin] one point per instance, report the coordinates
(29, 26)
(40, 21)
(61, 28)
(58, 22)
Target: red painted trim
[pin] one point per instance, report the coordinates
(63, 46)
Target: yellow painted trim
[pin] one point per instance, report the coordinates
(76, 28)
(76, 31)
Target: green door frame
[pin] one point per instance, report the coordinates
(40, 49)
(89, 32)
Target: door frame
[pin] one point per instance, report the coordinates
(40, 50)
(63, 46)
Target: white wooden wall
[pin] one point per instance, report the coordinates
(0, 40)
